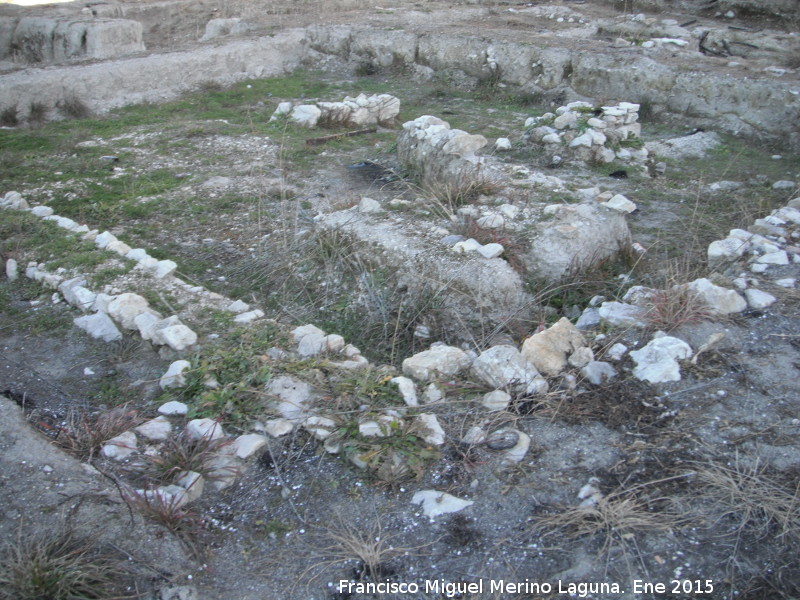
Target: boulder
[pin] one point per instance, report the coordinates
(756, 299)
(657, 362)
(548, 350)
(126, 307)
(503, 367)
(171, 332)
(306, 115)
(99, 326)
(719, 300)
(576, 237)
(438, 362)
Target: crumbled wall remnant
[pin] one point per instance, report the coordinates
(594, 134)
(441, 156)
(378, 109)
(46, 39)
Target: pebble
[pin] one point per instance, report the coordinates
(502, 439)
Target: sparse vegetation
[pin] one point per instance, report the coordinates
(180, 454)
(616, 519)
(748, 499)
(669, 309)
(37, 113)
(57, 565)
(73, 107)
(9, 116)
(84, 434)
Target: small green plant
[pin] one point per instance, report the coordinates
(396, 455)
(366, 386)
(106, 275)
(632, 141)
(226, 380)
(57, 565)
(274, 528)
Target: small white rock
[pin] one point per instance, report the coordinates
(174, 376)
(756, 299)
(435, 503)
(278, 427)
(12, 271)
(496, 400)
(491, 250)
(155, 429)
(204, 429)
(247, 445)
(173, 407)
(432, 432)
(121, 446)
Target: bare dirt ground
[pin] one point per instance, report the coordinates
(698, 479)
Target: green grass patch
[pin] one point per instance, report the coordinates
(23, 234)
(226, 380)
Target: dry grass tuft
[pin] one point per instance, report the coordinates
(669, 309)
(57, 565)
(619, 403)
(366, 545)
(84, 434)
(9, 116)
(180, 454)
(752, 500)
(72, 106)
(38, 112)
(170, 512)
(447, 198)
(617, 518)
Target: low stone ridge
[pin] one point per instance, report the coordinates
(442, 156)
(378, 109)
(39, 40)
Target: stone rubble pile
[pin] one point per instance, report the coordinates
(582, 131)
(378, 109)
